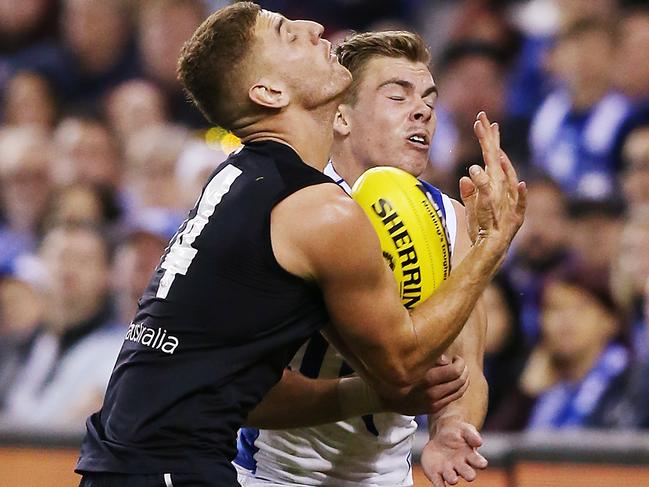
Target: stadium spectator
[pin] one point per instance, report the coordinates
(505, 350)
(635, 177)
(163, 27)
(151, 156)
(630, 67)
(626, 404)
(21, 310)
(133, 105)
(81, 203)
(578, 360)
(74, 351)
(454, 148)
(575, 134)
(25, 183)
(195, 164)
(594, 237)
(27, 35)
(541, 246)
(630, 274)
(96, 53)
(28, 100)
(138, 253)
(87, 152)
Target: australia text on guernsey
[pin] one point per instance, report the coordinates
(150, 337)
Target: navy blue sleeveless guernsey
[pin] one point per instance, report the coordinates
(218, 323)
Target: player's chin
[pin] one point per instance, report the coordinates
(414, 163)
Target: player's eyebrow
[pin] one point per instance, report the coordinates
(398, 81)
(430, 91)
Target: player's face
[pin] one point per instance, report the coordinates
(293, 53)
(393, 120)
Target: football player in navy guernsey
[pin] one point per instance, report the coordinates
(272, 252)
(387, 118)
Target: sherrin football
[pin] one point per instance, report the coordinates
(410, 228)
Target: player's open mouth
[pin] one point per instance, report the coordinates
(420, 140)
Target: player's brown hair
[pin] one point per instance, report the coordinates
(212, 62)
(356, 51)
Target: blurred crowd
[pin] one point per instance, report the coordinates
(101, 157)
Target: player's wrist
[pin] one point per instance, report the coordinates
(492, 248)
(444, 421)
(357, 398)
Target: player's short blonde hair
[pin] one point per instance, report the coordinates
(357, 50)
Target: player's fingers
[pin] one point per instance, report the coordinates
(442, 374)
(510, 172)
(437, 480)
(450, 476)
(467, 189)
(453, 386)
(489, 139)
(468, 194)
(448, 399)
(465, 471)
(483, 133)
(471, 435)
(480, 179)
(476, 460)
(521, 204)
(445, 394)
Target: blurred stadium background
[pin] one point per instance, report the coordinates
(101, 157)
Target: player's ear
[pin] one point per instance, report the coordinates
(341, 121)
(270, 94)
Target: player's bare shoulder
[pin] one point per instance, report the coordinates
(318, 226)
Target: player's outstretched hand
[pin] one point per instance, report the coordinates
(494, 198)
(452, 453)
(443, 384)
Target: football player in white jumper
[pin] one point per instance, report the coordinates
(387, 118)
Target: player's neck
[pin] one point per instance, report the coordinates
(309, 133)
(345, 163)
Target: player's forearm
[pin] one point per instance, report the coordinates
(313, 402)
(440, 319)
(472, 406)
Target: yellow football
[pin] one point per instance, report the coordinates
(410, 228)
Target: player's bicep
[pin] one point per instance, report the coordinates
(333, 243)
(362, 296)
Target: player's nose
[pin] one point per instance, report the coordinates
(314, 30)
